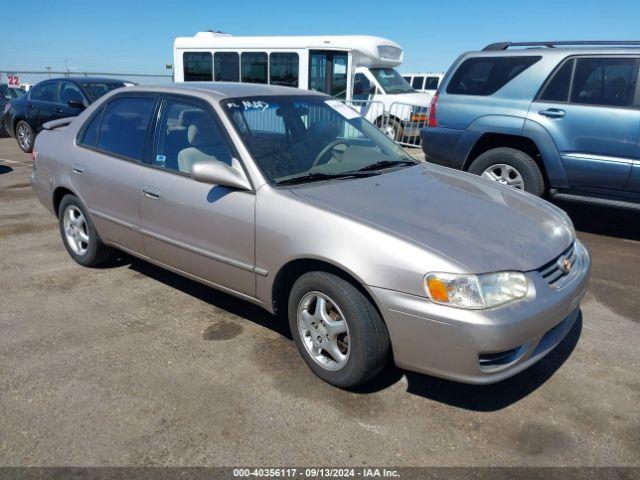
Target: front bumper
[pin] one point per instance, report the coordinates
(449, 342)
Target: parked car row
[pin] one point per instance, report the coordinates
(50, 100)
(293, 201)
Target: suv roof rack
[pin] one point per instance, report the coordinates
(506, 45)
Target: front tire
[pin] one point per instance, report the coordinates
(337, 330)
(391, 128)
(25, 136)
(510, 167)
(79, 235)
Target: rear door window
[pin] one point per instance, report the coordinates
(487, 75)
(605, 81)
(417, 82)
(45, 92)
(124, 126)
(557, 89)
(90, 134)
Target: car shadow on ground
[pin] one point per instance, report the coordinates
(206, 294)
(600, 220)
(5, 169)
(471, 397)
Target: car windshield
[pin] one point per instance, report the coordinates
(97, 89)
(295, 139)
(391, 81)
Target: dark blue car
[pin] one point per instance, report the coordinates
(558, 118)
(51, 100)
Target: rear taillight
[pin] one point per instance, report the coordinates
(34, 155)
(433, 120)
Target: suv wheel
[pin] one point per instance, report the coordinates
(337, 330)
(79, 235)
(510, 167)
(25, 136)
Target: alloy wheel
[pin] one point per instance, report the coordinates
(504, 174)
(324, 331)
(24, 136)
(75, 230)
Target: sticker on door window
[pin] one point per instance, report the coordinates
(344, 110)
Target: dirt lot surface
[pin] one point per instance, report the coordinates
(132, 365)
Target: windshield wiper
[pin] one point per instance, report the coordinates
(385, 164)
(316, 176)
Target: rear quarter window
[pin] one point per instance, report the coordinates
(487, 75)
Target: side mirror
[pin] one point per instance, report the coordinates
(76, 104)
(219, 173)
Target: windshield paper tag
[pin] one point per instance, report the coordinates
(344, 110)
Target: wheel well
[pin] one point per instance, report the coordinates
(293, 270)
(495, 140)
(58, 195)
(378, 121)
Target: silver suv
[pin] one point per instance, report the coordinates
(292, 201)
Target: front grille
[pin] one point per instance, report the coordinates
(554, 273)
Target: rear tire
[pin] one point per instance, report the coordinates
(363, 341)
(79, 235)
(25, 136)
(510, 167)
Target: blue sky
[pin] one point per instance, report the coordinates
(137, 36)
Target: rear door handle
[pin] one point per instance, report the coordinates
(150, 192)
(77, 170)
(552, 113)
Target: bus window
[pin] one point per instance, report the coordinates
(197, 66)
(283, 69)
(254, 67)
(431, 83)
(417, 82)
(226, 66)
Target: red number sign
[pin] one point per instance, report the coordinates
(14, 80)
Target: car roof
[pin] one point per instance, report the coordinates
(87, 80)
(223, 90)
(557, 51)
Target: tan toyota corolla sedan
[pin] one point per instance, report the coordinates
(293, 201)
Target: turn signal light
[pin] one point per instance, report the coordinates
(419, 117)
(438, 290)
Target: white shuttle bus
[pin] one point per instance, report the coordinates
(357, 69)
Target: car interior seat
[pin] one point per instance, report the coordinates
(205, 144)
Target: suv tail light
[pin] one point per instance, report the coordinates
(433, 121)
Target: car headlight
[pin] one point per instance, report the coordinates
(475, 291)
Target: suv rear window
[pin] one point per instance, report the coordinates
(487, 75)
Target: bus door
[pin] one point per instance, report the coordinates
(328, 72)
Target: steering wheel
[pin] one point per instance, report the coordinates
(326, 149)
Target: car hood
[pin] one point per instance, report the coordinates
(481, 225)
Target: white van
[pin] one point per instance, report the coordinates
(424, 82)
(357, 69)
